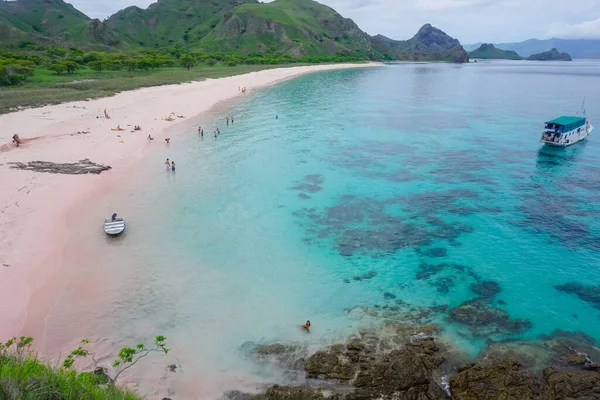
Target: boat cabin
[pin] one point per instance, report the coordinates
(558, 128)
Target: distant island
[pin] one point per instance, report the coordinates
(577, 48)
(552, 55)
(488, 51)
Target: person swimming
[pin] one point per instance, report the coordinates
(306, 326)
(173, 166)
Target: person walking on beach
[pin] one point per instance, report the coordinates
(173, 166)
(227, 119)
(231, 120)
(168, 164)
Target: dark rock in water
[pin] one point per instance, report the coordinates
(574, 359)
(368, 275)
(484, 319)
(316, 179)
(486, 288)
(497, 380)
(277, 392)
(81, 167)
(307, 187)
(590, 294)
(436, 252)
(593, 367)
(501, 302)
(560, 384)
(172, 367)
(304, 196)
(329, 365)
(389, 296)
(346, 280)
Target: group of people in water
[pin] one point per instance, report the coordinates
(170, 165)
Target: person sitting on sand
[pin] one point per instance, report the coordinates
(168, 140)
(118, 128)
(150, 137)
(137, 128)
(106, 114)
(169, 118)
(173, 166)
(306, 326)
(16, 140)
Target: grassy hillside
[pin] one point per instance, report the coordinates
(170, 22)
(51, 22)
(490, 52)
(294, 27)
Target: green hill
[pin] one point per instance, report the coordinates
(51, 22)
(552, 55)
(490, 52)
(428, 44)
(171, 22)
(294, 27)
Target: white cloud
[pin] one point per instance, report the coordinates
(441, 5)
(584, 30)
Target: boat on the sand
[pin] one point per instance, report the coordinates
(114, 225)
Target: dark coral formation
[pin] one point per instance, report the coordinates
(81, 167)
(589, 294)
(486, 289)
(483, 319)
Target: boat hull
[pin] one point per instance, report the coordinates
(575, 139)
(114, 227)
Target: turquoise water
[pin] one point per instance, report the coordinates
(381, 174)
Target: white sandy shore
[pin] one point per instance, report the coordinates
(34, 206)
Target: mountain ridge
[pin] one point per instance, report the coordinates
(577, 48)
(296, 28)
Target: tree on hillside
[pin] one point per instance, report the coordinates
(58, 67)
(211, 62)
(97, 66)
(71, 66)
(187, 61)
(131, 64)
(14, 71)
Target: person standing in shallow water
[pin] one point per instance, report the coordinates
(227, 119)
(168, 164)
(173, 166)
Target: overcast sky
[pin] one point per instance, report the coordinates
(468, 20)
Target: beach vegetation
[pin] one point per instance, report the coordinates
(24, 376)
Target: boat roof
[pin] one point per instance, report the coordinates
(565, 120)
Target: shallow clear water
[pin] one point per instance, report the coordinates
(389, 170)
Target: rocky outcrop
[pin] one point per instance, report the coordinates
(565, 384)
(429, 43)
(277, 392)
(490, 52)
(552, 55)
(486, 289)
(79, 168)
(496, 380)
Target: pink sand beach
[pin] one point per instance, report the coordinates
(34, 206)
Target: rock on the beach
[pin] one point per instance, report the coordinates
(81, 167)
(330, 365)
(501, 379)
(277, 392)
(561, 384)
(402, 374)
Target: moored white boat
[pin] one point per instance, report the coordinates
(566, 131)
(114, 226)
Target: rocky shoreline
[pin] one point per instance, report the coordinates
(410, 362)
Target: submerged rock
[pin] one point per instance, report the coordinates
(588, 293)
(486, 288)
(485, 319)
(497, 380)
